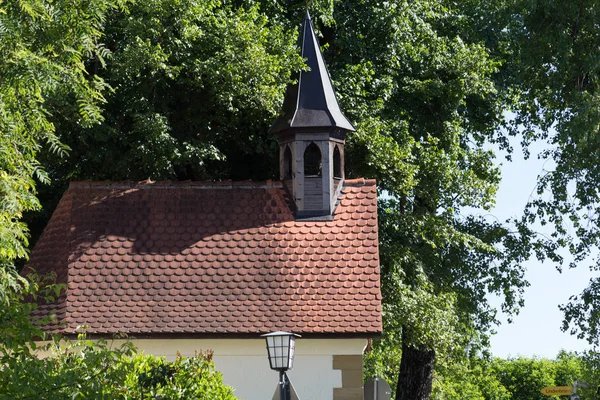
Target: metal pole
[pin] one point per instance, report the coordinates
(282, 385)
(287, 387)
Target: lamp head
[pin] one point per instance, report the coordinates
(280, 348)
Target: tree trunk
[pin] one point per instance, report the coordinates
(416, 372)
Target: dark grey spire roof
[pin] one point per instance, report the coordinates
(311, 102)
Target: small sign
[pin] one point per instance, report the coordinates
(293, 394)
(557, 390)
(377, 389)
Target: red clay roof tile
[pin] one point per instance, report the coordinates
(210, 258)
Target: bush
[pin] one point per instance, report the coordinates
(190, 378)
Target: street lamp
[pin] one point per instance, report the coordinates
(280, 348)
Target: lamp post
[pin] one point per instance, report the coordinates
(280, 348)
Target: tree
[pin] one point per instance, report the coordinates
(182, 94)
(474, 379)
(187, 89)
(483, 377)
(424, 141)
(556, 60)
(43, 47)
(190, 90)
(192, 82)
(524, 377)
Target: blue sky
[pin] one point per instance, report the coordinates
(536, 330)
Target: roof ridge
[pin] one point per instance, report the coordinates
(150, 184)
(360, 182)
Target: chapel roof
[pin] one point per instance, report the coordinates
(198, 258)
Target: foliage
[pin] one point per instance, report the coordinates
(192, 83)
(81, 369)
(591, 368)
(425, 101)
(525, 377)
(17, 330)
(514, 378)
(78, 370)
(382, 357)
(185, 378)
(189, 88)
(554, 68)
(432, 319)
(474, 379)
(85, 369)
(172, 89)
(43, 46)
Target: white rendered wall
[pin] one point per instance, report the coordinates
(245, 365)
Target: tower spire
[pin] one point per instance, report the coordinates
(311, 101)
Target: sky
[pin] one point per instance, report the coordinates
(536, 330)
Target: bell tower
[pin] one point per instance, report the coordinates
(311, 130)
